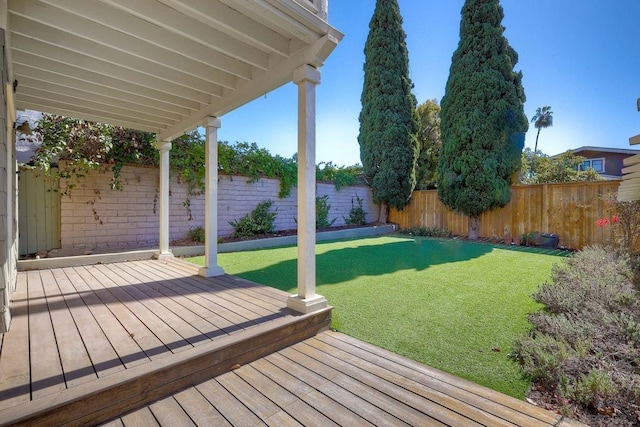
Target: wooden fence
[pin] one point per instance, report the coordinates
(568, 210)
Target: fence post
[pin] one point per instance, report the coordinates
(545, 209)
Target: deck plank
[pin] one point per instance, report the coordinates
(228, 405)
(104, 358)
(247, 301)
(249, 396)
(170, 331)
(436, 404)
(186, 317)
(372, 405)
(226, 307)
(165, 308)
(191, 298)
(168, 412)
(127, 349)
(293, 405)
(140, 418)
(76, 363)
(114, 423)
(46, 369)
(292, 382)
(463, 390)
(200, 409)
(105, 289)
(15, 372)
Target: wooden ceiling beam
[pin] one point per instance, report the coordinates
(52, 66)
(80, 98)
(45, 106)
(67, 23)
(139, 28)
(216, 14)
(185, 26)
(67, 83)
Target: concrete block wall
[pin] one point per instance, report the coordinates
(127, 218)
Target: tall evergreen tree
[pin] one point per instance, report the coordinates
(482, 118)
(388, 147)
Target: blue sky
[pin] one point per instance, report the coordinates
(580, 57)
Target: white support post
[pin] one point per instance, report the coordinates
(164, 253)
(211, 268)
(306, 301)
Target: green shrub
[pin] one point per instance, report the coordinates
(426, 232)
(595, 389)
(322, 213)
(357, 215)
(585, 345)
(197, 234)
(541, 357)
(593, 278)
(259, 221)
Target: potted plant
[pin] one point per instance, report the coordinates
(531, 238)
(548, 240)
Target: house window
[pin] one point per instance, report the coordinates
(596, 164)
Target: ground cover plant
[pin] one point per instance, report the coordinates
(454, 305)
(583, 352)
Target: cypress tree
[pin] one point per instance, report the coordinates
(482, 117)
(388, 147)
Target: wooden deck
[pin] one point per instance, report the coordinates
(335, 380)
(91, 343)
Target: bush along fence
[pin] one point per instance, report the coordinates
(571, 211)
(93, 216)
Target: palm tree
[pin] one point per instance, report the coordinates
(542, 119)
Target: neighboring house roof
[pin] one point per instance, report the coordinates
(606, 150)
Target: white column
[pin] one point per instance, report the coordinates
(164, 148)
(306, 301)
(211, 268)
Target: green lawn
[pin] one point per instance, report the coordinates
(453, 305)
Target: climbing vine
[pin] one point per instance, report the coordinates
(79, 146)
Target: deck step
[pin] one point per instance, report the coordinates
(109, 397)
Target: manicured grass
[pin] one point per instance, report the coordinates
(453, 305)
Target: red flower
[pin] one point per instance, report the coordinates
(614, 218)
(602, 222)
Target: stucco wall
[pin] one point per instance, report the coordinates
(127, 218)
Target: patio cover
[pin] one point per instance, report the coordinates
(168, 66)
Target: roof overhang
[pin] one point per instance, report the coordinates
(161, 66)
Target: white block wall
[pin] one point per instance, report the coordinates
(127, 218)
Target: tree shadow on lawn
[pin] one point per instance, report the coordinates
(344, 264)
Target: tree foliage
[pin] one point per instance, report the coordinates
(538, 168)
(342, 176)
(482, 118)
(388, 147)
(429, 144)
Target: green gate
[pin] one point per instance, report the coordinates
(38, 212)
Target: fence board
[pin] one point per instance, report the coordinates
(569, 210)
